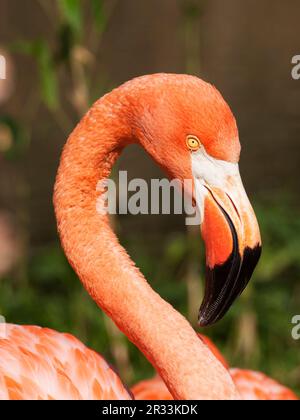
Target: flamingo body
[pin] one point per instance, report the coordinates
(257, 386)
(151, 389)
(251, 385)
(41, 364)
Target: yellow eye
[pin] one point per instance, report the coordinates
(193, 143)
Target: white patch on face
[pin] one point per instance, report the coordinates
(213, 173)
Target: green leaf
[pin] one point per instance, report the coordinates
(66, 41)
(24, 47)
(192, 9)
(99, 14)
(71, 10)
(48, 79)
(40, 50)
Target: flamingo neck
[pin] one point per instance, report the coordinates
(111, 278)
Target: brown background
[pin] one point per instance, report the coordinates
(243, 47)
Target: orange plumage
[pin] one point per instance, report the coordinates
(41, 364)
(257, 386)
(250, 385)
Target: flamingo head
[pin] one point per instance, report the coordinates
(187, 127)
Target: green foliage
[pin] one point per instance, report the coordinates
(99, 14)
(41, 52)
(192, 9)
(53, 297)
(71, 11)
(57, 59)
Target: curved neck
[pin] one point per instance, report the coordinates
(161, 333)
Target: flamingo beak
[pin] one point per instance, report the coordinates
(232, 241)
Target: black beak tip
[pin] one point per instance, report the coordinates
(209, 315)
(204, 321)
(225, 283)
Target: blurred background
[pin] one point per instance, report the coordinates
(64, 54)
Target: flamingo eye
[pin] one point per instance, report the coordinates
(193, 143)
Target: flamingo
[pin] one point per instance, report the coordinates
(254, 386)
(189, 130)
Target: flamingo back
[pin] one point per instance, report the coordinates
(256, 386)
(41, 364)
